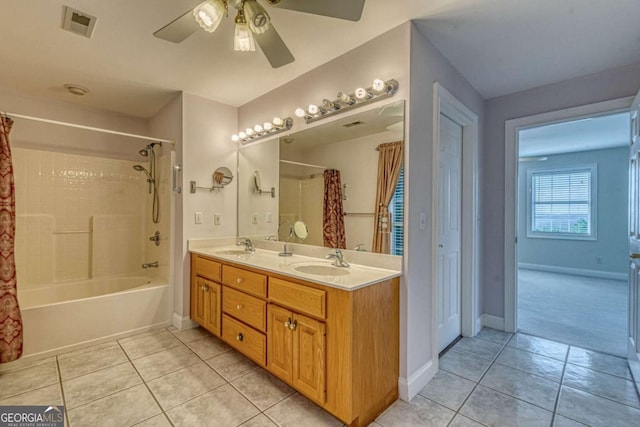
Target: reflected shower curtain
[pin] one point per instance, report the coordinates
(333, 212)
(10, 318)
(389, 165)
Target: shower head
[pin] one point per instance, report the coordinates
(141, 168)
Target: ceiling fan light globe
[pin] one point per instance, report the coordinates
(243, 39)
(209, 14)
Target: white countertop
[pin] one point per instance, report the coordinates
(358, 276)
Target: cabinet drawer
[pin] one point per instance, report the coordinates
(247, 281)
(245, 339)
(207, 268)
(300, 298)
(250, 310)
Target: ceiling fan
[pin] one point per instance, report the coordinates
(253, 23)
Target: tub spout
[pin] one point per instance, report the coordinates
(150, 264)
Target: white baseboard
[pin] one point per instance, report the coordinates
(183, 322)
(407, 389)
(493, 322)
(574, 271)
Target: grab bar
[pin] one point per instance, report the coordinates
(175, 171)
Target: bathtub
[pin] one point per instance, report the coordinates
(63, 317)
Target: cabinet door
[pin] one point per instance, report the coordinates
(309, 338)
(212, 305)
(279, 341)
(198, 285)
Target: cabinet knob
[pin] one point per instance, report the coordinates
(287, 324)
(239, 280)
(205, 288)
(239, 306)
(293, 325)
(240, 337)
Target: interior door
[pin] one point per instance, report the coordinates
(634, 242)
(449, 232)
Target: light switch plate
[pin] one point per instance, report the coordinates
(268, 217)
(254, 218)
(198, 218)
(217, 219)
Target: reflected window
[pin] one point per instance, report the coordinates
(396, 209)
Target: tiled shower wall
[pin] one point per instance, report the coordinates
(78, 216)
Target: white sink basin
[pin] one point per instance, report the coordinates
(322, 270)
(233, 252)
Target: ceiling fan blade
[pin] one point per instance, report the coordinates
(350, 10)
(178, 29)
(274, 48)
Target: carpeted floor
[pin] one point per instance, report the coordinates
(582, 311)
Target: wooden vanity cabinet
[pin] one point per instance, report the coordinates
(206, 296)
(338, 347)
(296, 351)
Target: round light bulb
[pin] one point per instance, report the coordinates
(300, 112)
(249, 131)
(258, 128)
(361, 93)
(277, 121)
(235, 138)
(379, 86)
(242, 135)
(313, 109)
(267, 126)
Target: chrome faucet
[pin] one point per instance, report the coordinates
(338, 259)
(150, 264)
(248, 246)
(359, 247)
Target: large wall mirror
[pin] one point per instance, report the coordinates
(328, 184)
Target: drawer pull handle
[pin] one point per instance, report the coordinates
(239, 280)
(294, 325)
(287, 324)
(239, 306)
(240, 337)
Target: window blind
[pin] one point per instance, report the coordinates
(397, 217)
(561, 202)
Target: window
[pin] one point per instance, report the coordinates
(562, 203)
(396, 208)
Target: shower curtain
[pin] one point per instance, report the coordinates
(389, 165)
(10, 318)
(333, 212)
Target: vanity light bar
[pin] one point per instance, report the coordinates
(380, 89)
(274, 127)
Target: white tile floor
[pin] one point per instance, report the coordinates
(497, 379)
(189, 378)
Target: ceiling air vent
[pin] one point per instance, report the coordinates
(78, 22)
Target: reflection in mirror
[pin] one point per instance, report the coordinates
(344, 153)
(344, 180)
(300, 230)
(257, 181)
(222, 176)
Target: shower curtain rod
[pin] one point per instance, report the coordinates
(74, 125)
